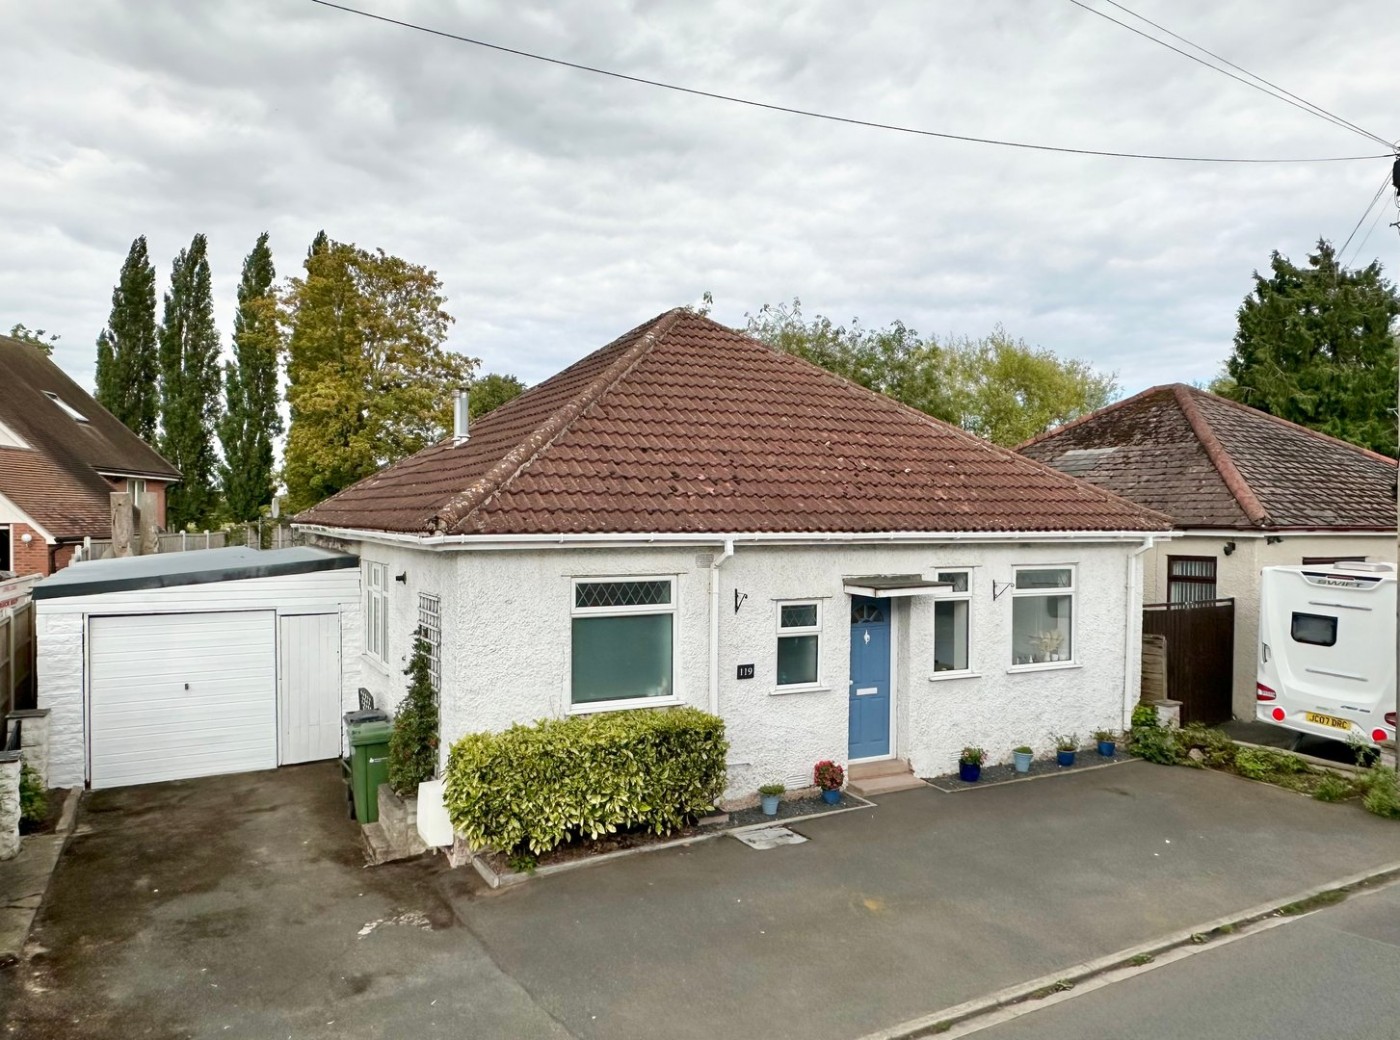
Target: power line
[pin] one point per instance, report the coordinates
(1385, 183)
(1367, 237)
(1312, 111)
(1204, 50)
(768, 106)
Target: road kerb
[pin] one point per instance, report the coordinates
(961, 1019)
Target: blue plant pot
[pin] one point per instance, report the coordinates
(1064, 758)
(1107, 748)
(770, 804)
(969, 772)
(1022, 760)
(832, 797)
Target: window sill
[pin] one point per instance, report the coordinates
(783, 691)
(630, 704)
(375, 663)
(1047, 666)
(945, 676)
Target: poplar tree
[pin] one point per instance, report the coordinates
(189, 365)
(251, 422)
(128, 361)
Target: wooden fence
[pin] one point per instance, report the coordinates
(254, 536)
(1200, 655)
(17, 689)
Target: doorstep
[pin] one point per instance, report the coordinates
(868, 779)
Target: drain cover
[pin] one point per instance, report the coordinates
(769, 837)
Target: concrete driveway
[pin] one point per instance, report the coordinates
(237, 908)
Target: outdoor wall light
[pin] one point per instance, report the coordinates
(1273, 539)
(402, 578)
(26, 538)
(1229, 547)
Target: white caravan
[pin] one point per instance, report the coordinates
(1327, 650)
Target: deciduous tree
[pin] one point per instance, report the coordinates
(369, 378)
(1317, 345)
(189, 387)
(251, 421)
(128, 359)
(492, 390)
(40, 339)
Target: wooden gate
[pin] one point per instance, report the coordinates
(16, 646)
(1200, 655)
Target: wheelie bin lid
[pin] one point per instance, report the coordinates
(375, 731)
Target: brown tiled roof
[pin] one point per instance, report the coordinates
(683, 425)
(56, 482)
(1210, 462)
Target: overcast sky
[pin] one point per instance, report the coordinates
(561, 209)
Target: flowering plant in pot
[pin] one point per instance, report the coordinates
(1022, 756)
(1107, 740)
(829, 776)
(970, 764)
(1066, 744)
(769, 795)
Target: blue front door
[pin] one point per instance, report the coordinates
(870, 678)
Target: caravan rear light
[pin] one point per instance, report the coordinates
(1279, 714)
(1390, 719)
(1380, 736)
(1263, 693)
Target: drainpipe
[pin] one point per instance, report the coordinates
(717, 563)
(1130, 696)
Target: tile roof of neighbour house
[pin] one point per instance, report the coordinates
(55, 479)
(1213, 463)
(685, 426)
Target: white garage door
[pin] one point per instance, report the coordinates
(181, 695)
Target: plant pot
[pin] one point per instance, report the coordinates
(1022, 760)
(1107, 748)
(969, 772)
(1065, 758)
(831, 796)
(770, 804)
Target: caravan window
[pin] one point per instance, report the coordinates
(1317, 629)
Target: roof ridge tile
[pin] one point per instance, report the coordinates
(1220, 458)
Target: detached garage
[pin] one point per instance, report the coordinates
(193, 664)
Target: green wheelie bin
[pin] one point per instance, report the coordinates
(367, 733)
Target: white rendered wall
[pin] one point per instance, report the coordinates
(1237, 576)
(62, 623)
(507, 635)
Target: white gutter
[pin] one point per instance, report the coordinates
(528, 541)
(715, 565)
(1133, 595)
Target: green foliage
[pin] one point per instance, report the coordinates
(1316, 345)
(1065, 741)
(33, 799)
(772, 790)
(1102, 736)
(40, 339)
(1151, 740)
(128, 361)
(972, 756)
(1272, 767)
(369, 378)
(413, 746)
(996, 387)
(1379, 791)
(189, 387)
(1024, 749)
(251, 421)
(490, 391)
(1217, 749)
(531, 788)
(1333, 788)
(1144, 716)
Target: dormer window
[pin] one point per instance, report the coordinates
(68, 409)
(10, 439)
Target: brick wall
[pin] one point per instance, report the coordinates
(31, 558)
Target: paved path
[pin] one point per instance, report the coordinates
(1332, 974)
(238, 907)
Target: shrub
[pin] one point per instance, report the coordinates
(828, 775)
(1216, 747)
(1332, 788)
(532, 788)
(771, 790)
(33, 799)
(1379, 792)
(1144, 716)
(413, 746)
(1151, 740)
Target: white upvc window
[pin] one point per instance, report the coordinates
(799, 644)
(377, 611)
(430, 628)
(952, 626)
(1042, 616)
(622, 643)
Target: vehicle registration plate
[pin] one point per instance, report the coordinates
(1327, 720)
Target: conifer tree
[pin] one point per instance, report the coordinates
(413, 745)
(189, 363)
(128, 360)
(251, 421)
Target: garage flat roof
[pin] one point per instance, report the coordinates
(197, 567)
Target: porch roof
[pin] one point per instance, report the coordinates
(892, 586)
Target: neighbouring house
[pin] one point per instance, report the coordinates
(61, 456)
(1245, 490)
(177, 665)
(688, 516)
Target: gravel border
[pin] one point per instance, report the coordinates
(1005, 773)
(790, 810)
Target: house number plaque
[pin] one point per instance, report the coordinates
(746, 671)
